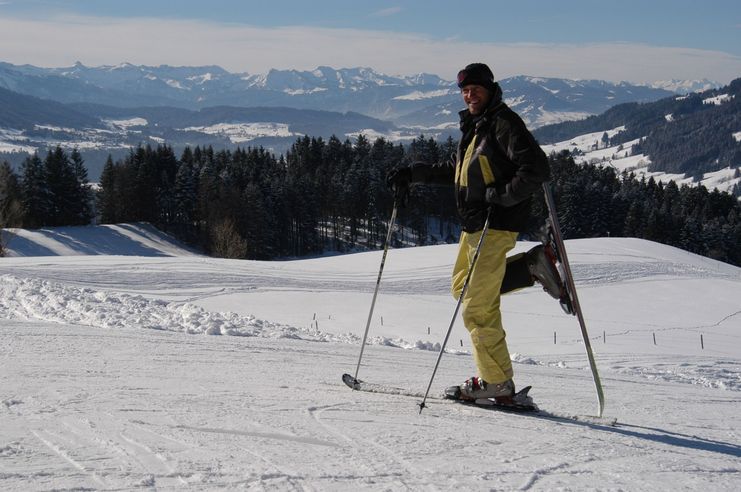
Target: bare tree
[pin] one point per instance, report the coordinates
(226, 242)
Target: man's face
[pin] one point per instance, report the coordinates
(476, 98)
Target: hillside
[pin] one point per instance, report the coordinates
(119, 239)
(111, 383)
(25, 112)
(691, 135)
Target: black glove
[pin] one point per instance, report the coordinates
(398, 181)
(492, 196)
(502, 195)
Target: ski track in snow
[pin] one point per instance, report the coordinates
(109, 383)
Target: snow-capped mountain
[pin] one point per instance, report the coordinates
(422, 100)
(686, 86)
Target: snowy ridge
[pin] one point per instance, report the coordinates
(37, 299)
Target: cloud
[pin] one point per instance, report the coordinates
(239, 48)
(387, 12)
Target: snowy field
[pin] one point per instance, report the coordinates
(111, 377)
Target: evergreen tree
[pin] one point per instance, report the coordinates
(184, 194)
(11, 213)
(36, 199)
(82, 194)
(61, 183)
(108, 208)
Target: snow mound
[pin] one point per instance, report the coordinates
(35, 299)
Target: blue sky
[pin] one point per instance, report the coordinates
(638, 41)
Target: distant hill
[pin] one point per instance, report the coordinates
(26, 112)
(690, 135)
(29, 124)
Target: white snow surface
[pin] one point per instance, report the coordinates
(718, 100)
(419, 95)
(111, 382)
(245, 132)
(591, 150)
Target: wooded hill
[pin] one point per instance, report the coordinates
(691, 134)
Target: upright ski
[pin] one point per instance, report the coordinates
(570, 301)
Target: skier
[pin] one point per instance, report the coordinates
(498, 167)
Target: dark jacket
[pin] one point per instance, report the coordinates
(504, 156)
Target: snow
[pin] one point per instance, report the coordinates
(420, 95)
(127, 123)
(175, 84)
(686, 86)
(545, 117)
(737, 136)
(301, 92)
(54, 128)
(245, 132)
(391, 135)
(591, 150)
(7, 147)
(718, 100)
(202, 79)
(111, 382)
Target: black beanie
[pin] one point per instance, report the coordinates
(478, 74)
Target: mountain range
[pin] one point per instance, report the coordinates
(423, 100)
(108, 109)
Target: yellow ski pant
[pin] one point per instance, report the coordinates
(480, 305)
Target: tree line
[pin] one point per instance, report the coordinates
(597, 201)
(330, 196)
(49, 192)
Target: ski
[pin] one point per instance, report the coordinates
(360, 385)
(485, 404)
(570, 301)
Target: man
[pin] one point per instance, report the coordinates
(498, 167)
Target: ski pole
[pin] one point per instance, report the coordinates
(378, 282)
(457, 307)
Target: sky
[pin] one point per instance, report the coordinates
(631, 40)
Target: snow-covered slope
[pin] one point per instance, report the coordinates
(109, 381)
(121, 239)
(588, 148)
